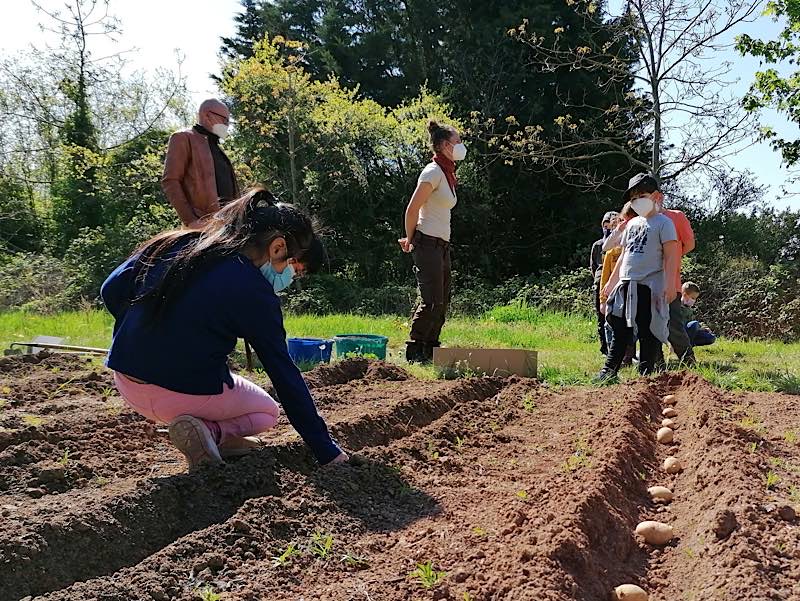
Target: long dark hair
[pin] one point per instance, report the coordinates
(252, 221)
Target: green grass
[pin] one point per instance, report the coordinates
(568, 352)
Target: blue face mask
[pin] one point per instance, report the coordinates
(279, 281)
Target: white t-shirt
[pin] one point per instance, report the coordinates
(434, 216)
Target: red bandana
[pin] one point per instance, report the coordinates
(449, 168)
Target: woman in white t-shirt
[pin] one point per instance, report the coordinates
(427, 224)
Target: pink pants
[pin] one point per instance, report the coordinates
(244, 410)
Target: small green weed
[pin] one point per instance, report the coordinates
(771, 480)
(752, 447)
(100, 481)
(286, 557)
(788, 383)
(467, 597)
(580, 458)
(689, 553)
(794, 494)
(433, 452)
(777, 462)
(61, 388)
(642, 476)
(478, 531)
(32, 420)
(207, 594)
(426, 574)
(522, 495)
(752, 423)
(355, 561)
(64, 459)
(459, 444)
(528, 403)
(321, 544)
(790, 436)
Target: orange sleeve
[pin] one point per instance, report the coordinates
(684, 229)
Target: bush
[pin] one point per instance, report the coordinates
(569, 292)
(743, 298)
(324, 294)
(96, 252)
(34, 282)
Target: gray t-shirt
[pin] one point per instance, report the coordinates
(642, 241)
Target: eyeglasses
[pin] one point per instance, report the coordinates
(225, 119)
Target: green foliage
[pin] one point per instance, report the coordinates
(773, 89)
(21, 228)
(771, 480)
(427, 575)
(348, 160)
(321, 545)
(580, 458)
(569, 292)
(287, 555)
(744, 297)
(514, 211)
(207, 594)
(326, 294)
(35, 282)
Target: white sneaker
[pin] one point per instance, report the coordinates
(193, 438)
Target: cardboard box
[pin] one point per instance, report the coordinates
(490, 362)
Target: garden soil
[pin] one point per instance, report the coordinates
(506, 489)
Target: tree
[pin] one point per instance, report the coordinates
(67, 111)
(771, 89)
(348, 160)
(688, 119)
(388, 49)
(461, 52)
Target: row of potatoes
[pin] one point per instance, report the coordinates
(656, 533)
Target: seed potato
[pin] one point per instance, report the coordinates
(655, 533)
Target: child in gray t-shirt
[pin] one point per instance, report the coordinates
(643, 246)
(638, 292)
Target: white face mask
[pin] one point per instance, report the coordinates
(459, 152)
(220, 130)
(643, 206)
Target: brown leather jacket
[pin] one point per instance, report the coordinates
(188, 180)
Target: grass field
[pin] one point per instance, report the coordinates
(569, 354)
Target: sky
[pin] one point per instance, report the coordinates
(155, 29)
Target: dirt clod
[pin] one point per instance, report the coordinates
(725, 523)
(787, 513)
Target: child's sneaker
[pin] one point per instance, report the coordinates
(193, 438)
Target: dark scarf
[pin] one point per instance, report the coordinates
(202, 130)
(449, 168)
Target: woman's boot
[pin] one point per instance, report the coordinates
(415, 351)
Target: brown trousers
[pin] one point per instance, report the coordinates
(432, 267)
